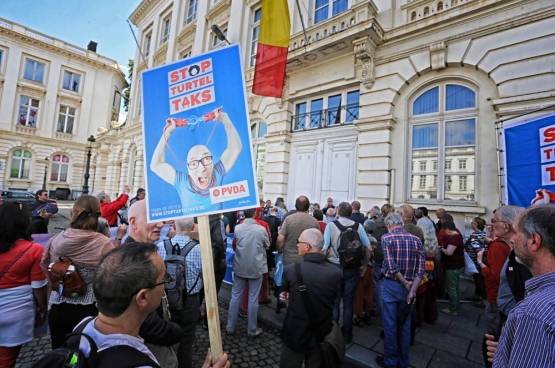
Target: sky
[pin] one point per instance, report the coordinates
(78, 22)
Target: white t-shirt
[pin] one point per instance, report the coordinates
(106, 341)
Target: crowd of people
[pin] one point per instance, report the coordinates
(336, 267)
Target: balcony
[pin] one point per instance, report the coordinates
(334, 35)
(339, 116)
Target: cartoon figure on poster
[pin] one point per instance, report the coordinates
(203, 170)
(197, 137)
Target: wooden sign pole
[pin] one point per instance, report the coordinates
(210, 295)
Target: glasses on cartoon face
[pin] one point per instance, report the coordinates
(205, 161)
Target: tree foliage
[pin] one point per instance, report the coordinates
(127, 91)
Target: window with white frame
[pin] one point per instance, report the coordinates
(148, 40)
(71, 81)
(258, 131)
(28, 111)
(422, 165)
(21, 164)
(166, 26)
(443, 129)
(34, 70)
(324, 9)
(66, 119)
(186, 54)
(1, 59)
(215, 40)
(59, 169)
(191, 11)
(333, 110)
(255, 35)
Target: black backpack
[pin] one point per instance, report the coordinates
(350, 250)
(176, 267)
(69, 355)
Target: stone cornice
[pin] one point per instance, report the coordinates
(60, 47)
(219, 9)
(144, 8)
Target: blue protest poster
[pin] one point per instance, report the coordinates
(197, 143)
(530, 161)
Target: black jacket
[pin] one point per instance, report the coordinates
(156, 330)
(322, 283)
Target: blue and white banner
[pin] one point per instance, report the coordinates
(530, 161)
(198, 157)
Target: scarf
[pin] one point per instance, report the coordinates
(84, 247)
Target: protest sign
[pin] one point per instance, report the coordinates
(530, 161)
(197, 143)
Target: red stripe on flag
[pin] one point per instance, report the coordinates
(269, 72)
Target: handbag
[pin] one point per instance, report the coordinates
(15, 260)
(332, 346)
(469, 266)
(66, 280)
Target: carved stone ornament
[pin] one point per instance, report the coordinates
(437, 55)
(365, 51)
(280, 101)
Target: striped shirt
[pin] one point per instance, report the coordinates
(404, 253)
(193, 261)
(528, 336)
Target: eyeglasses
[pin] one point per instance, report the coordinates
(301, 242)
(493, 221)
(167, 280)
(205, 161)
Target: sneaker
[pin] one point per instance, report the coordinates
(479, 304)
(265, 302)
(256, 333)
(448, 311)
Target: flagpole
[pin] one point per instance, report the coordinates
(302, 22)
(137, 42)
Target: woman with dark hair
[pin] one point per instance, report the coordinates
(453, 265)
(84, 247)
(22, 282)
(474, 244)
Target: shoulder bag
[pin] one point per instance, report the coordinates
(332, 346)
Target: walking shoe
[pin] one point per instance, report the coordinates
(479, 304)
(256, 333)
(242, 314)
(448, 311)
(265, 302)
(380, 360)
(348, 337)
(229, 332)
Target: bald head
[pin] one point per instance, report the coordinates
(406, 212)
(314, 237)
(139, 229)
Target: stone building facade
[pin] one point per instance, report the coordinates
(53, 96)
(384, 101)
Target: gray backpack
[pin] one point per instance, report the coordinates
(176, 267)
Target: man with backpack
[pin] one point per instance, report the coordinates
(128, 285)
(347, 246)
(181, 255)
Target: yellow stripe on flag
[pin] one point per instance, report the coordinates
(275, 26)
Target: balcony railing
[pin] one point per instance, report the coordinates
(338, 116)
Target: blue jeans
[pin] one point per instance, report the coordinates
(397, 337)
(377, 290)
(347, 288)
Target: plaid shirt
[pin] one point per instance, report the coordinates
(193, 261)
(404, 253)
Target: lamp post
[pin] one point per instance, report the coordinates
(91, 140)
(45, 172)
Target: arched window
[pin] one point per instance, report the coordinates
(426, 11)
(413, 16)
(258, 131)
(440, 6)
(443, 143)
(60, 166)
(21, 164)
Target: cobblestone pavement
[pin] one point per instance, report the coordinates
(243, 352)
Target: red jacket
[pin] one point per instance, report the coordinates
(498, 252)
(109, 211)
